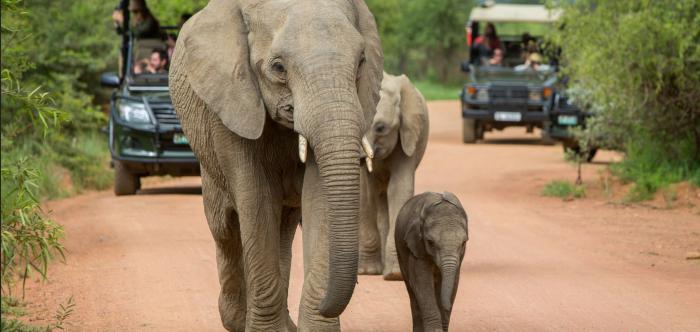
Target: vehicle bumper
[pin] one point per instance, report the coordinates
(150, 150)
(489, 116)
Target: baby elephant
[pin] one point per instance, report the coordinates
(431, 236)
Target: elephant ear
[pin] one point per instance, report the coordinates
(414, 238)
(414, 116)
(370, 75)
(216, 61)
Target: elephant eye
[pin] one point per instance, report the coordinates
(278, 67)
(362, 60)
(431, 243)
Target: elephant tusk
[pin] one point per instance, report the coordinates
(368, 161)
(367, 146)
(302, 148)
(369, 152)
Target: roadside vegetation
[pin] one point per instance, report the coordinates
(636, 66)
(565, 190)
(423, 39)
(52, 146)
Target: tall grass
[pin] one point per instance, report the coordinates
(648, 165)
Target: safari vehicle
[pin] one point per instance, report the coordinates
(145, 135)
(563, 115)
(499, 96)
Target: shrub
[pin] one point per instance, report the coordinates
(564, 190)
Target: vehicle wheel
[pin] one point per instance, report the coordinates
(469, 131)
(479, 130)
(576, 149)
(125, 183)
(591, 154)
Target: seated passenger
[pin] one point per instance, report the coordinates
(497, 59)
(157, 63)
(487, 43)
(533, 62)
(143, 24)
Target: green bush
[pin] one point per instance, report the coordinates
(642, 83)
(564, 190)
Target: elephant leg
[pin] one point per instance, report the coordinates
(315, 235)
(370, 241)
(290, 220)
(224, 227)
(416, 315)
(382, 222)
(399, 191)
(420, 272)
(259, 207)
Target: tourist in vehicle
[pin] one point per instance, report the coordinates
(143, 23)
(157, 63)
(487, 43)
(533, 62)
(497, 58)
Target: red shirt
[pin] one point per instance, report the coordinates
(494, 44)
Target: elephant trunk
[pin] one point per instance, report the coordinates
(449, 269)
(334, 129)
(340, 172)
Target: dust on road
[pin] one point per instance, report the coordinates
(146, 262)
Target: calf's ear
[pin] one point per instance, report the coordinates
(414, 238)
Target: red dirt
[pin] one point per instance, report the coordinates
(533, 263)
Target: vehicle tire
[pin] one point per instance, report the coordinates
(469, 131)
(576, 149)
(125, 183)
(479, 130)
(591, 154)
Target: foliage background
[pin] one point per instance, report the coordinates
(641, 82)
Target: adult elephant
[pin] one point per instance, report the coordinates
(256, 83)
(398, 138)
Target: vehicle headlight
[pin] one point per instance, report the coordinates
(134, 113)
(540, 95)
(482, 94)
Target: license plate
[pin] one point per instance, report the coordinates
(180, 139)
(569, 120)
(507, 116)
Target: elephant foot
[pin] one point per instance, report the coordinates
(370, 266)
(392, 271)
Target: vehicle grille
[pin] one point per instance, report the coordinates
(165, 113)
(510, 98)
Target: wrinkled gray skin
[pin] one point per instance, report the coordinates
(399, 135)
(247, 78)
(431, 237)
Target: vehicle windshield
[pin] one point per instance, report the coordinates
(491, 73)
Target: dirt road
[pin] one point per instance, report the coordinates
(146, 262)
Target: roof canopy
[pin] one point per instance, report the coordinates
(515, 13)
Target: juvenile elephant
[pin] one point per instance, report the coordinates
(255, 84)
(431, 237)
(398, 136)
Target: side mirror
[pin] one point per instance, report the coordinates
(109, 80)
(465, 66)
